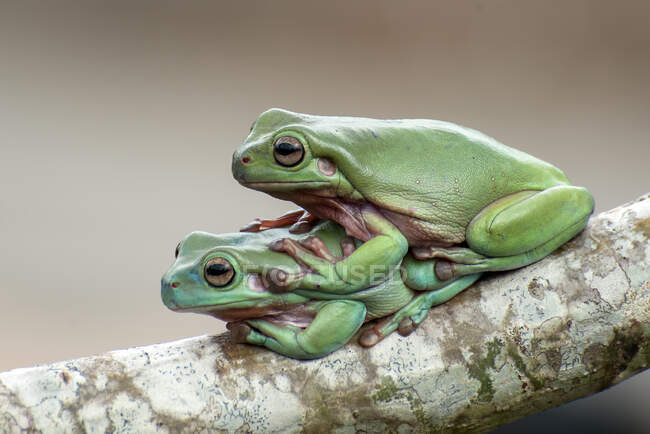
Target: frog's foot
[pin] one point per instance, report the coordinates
(260, 332)
(459, 255)
(284, 220)
(408, 318)
(448, 258)
(312, 255)
(278, 280)
(300, 221)
(309, 253)
(405, 321)
(318, 267)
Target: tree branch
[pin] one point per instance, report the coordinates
(514, 344)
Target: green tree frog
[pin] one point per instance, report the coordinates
(461, 201)
(224, 276)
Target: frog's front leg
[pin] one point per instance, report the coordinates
(408, 318)
(301, 221)
(333, 326)
(370, 264)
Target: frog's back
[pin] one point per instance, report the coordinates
(431, 176)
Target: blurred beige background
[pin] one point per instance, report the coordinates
(118, 121)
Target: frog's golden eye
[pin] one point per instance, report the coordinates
(178, 249)
(218, 272)
(288, 151)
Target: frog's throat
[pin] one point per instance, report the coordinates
(298, 315)
(347, 214)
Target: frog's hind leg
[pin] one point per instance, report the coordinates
(524, 221)
(408, 318)
(334, 324)
(517, 230)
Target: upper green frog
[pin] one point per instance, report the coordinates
(224, 276)
(452, 193)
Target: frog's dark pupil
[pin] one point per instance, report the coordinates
(285, 148)
(217, 269)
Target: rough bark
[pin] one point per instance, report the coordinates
(514, 344)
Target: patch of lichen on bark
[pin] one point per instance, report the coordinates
(481, 411)
(425, 424)
(479, 369)
(331, 409)
(387, 391)
(516, 358)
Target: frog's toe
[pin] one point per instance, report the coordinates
(369, 337)
(239, 332)
(318, 247)
(279, 281)
(288, 246)
(407, 326)
(254, 226)
(422, 253)
(347, 246)
(445, 270)
(280, 245)
(301, 227)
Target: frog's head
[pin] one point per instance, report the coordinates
(221, 275)
(288, 152)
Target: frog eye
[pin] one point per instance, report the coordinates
(218, 272)
(288, 151)
(178, 249)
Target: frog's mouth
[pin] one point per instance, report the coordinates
(283, 185)
(208, 309)
(231, 312)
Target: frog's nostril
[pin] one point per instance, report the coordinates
(175, 284)
(245, 160)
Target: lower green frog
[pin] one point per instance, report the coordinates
(227, 276)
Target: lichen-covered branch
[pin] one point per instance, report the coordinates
(514, 344)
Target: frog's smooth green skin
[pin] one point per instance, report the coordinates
(222, 276)
(458, 197)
